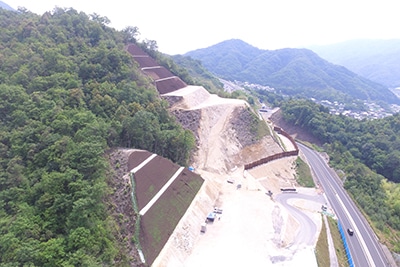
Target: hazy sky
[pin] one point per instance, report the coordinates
(179, 26)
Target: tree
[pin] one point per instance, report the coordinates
(150, 45)
(145, 129)
(100, 19)
(130, 34)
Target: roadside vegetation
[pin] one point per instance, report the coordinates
(367, 153)
(338, 243)
(322, 248)
(303, 173)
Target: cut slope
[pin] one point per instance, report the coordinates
(225, 143)
(220, 154)
(164, 80)
(220, 146)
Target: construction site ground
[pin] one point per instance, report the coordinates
(253, 229)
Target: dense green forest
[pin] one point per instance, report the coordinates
(68, 92)
(367, 151)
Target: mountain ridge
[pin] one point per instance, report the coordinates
(292, 71)
(377, 60)
(6, 6)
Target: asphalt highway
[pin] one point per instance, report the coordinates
(364, 246)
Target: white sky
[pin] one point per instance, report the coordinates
(179, 26)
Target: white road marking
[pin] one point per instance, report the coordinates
(357, 232)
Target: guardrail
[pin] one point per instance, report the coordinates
(346, 247)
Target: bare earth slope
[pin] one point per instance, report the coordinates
(253, 229)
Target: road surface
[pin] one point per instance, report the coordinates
(308, 228)
(364, 246)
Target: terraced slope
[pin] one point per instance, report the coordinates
(163, 192)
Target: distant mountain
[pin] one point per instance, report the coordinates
(377, 60)
(5, 6)
(291, 71)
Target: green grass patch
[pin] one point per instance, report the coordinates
(262, 129)
(322, 248)
(303, 171)
(338, 243)
(161, 219)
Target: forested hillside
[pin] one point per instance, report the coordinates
(68, 92)
(201, 76)
(367, 151)
(298, 72)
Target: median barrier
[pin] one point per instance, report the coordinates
(346, 247)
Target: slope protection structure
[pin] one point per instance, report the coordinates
(224, 146)
(164, 80)
(162, 192)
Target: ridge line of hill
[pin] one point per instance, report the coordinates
(290, 71)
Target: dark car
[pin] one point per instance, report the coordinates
(350, 231)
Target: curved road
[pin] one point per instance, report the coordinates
(364, 246)
(308, 228)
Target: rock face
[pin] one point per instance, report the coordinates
(294, 130)
(242, 122)
(189, 119)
